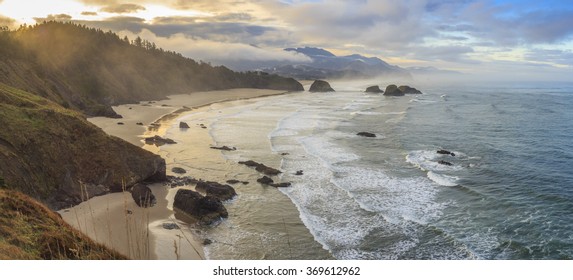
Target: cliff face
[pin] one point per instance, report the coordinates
(54, 155)
(29, 230)
(89, 70)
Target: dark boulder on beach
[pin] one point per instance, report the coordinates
(265, 180)
(170, 226)
(409, 90)
(183, 125)
(374, 89)
(445, 152)
(320, 86)
(393, 90)
(158, 141)
(366, 134)
(143, 196)
(220, 191)
(205, 209)
(261, 167)
(178, 170)
(224, 148)
(282, 185)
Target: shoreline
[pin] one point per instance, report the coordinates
(114, 219)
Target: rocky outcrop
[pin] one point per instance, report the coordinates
(158, 141)
(56, 156)
(374, 89)
(261, 167)
(446, 152)
(320, 86)
(204, 209)
(393, 90)
(366, 134)
(143, 196)
(220, 191)
(409, 90)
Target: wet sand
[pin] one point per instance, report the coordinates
(115, 219)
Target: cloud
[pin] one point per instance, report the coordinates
(208, 50)
(551, 56)
(58, 17)
(122, 8)
(86, 13)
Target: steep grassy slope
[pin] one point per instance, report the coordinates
(29, 230)
(89, 69)
(54, 155)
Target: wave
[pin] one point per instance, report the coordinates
(443, 180)
(429, 160)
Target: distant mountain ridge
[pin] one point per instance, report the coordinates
(326, 65)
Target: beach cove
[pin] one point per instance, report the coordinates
(150, 233)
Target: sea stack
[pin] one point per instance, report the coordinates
(393, 90)
(320, 86)
(374, 89)
(409, 90)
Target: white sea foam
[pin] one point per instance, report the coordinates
(428, 160)
(443, 180)
(366, 113)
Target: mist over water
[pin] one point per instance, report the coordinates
(507, 194)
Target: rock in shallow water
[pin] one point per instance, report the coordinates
(320, 86)
(366, 134)
(220, 191)
(205, 209)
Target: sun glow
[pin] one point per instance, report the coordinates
(27, 11)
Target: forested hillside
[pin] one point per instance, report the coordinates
(89, 69)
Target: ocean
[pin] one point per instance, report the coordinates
(506, 193)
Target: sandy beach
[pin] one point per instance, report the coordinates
(144, 233)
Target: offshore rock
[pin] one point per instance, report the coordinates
(443, 162)
(374, 89)
(205, 209)
(409, 90)
(393, 90)
(220, 191)
(445, 152)
(320, 86)
(366, 134)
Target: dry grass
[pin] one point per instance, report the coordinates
(29, 230)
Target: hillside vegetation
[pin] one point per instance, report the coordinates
(89, 69)
(56, 156)
(29, 230)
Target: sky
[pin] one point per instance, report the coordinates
(496, 38)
